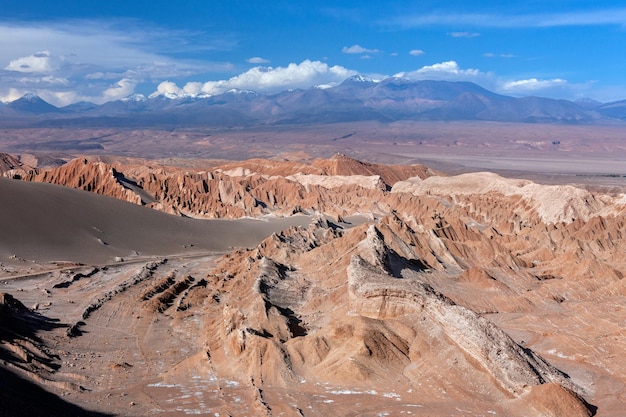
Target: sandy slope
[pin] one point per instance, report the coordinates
(45, 222)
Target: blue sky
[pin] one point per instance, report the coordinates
(69, 51)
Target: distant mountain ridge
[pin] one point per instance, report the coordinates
(31, 103)
(358, 98)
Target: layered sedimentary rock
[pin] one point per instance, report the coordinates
(476, 291)
(12, 166)
(251, 188)
(343, 307)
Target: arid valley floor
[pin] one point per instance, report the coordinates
(355, 269)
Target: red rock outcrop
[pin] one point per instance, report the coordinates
(338, 186)
(337, 307)
(12, 166)
(89, 175)
(465, 290)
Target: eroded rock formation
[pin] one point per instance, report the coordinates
(472, 292)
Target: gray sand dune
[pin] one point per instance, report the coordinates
(45, 222)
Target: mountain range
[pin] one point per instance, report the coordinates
(356, 99)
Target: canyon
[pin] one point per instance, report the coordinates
(308, 285)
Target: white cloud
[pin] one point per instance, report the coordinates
(41, 62)
(79, 47)
(48, 80)
(464, 34)
(532, 85)
(63, 97)
(192, 89)
(558, 88)
(258, 60)
(168, 87)
(103, 75)
(93, 60)
(108, 44)
(265, 80)
(121, 89)
(416, 52)
(11, 94)
(451, 71)
(358, 49)
(448, 70)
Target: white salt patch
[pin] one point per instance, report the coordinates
(559, 354)
(164, 385)
(344, 392)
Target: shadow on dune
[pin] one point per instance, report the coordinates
(45, 222)
(20, 397)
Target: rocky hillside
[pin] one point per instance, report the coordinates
(474, 293)
(11, 166)
(250, 188)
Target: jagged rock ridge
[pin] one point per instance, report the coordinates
(458, 290)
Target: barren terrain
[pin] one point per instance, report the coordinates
(512, 148)
(305, 282)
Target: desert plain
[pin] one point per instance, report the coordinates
(352, 269)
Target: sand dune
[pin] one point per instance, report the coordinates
(45, 222)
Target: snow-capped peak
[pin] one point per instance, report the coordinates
(135, 97)
(30, 97)
(360, 78)
(176, 96)
(240, 91)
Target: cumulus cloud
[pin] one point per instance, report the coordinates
(167, 88)
(121, 89)
(258, 60)
(358, 49)
(451, 71)
(41, 62)
(416, 52)
(448, 70)
(265, 80)
(532, 85)
(558, 88)
(93, 60)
